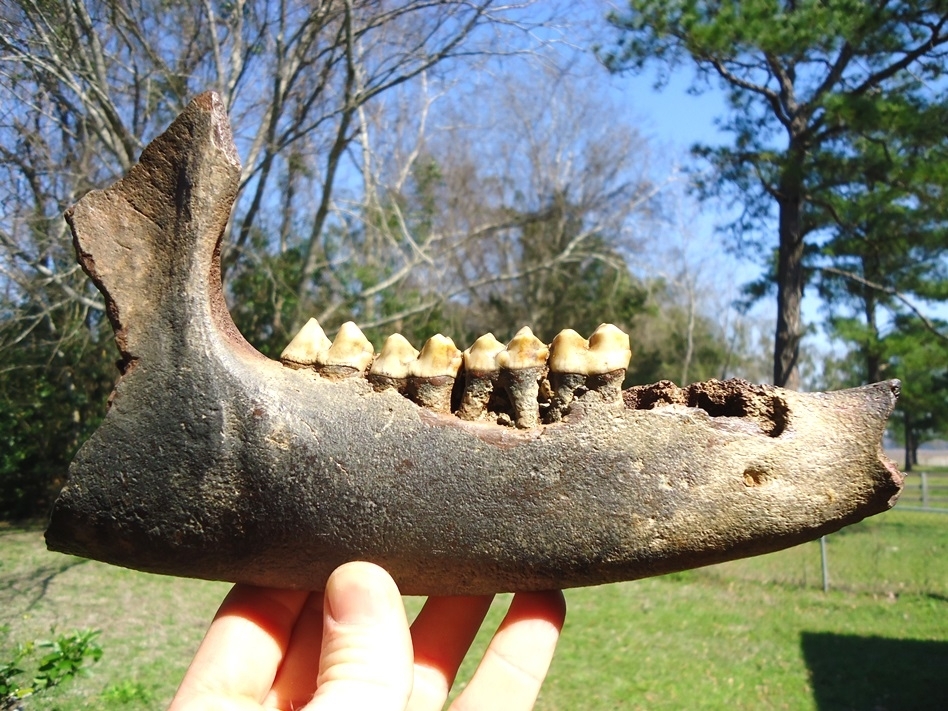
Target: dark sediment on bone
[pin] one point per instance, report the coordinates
(523, 388)
(607, 386)
(339, 372)
(478, 390)
(432, 392)
(565, 387)
(387, 382)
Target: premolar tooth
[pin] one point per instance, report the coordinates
(307, 347)
(480, 376)
(522, 367)
(431, 377)
(569, 364)
(390, 368)
(609, 356)
(350, 354)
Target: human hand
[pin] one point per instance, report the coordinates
(351, 648)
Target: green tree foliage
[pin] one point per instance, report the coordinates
(54, 388)
(802, 79)
(888, 238)
(562, 286)
(920, 360)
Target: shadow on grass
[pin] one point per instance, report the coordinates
(876, 673)
(15, 589)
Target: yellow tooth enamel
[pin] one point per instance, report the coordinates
(396, 356)
(439, 357)
(351, 348)
(569, 353)
(481, 357)
(524, 351)
(308, 346)
(609, 350)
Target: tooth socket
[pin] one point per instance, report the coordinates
(432, 392)
(387, 382)
(339, 372)
(566, 387)
(479, 388)
(523, 389)
(295, 365)
(607, 386)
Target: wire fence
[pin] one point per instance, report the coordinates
(896, 553)
(925, 490)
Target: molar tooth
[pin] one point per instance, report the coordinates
(390, 369)
(350, 354)
(431, 377)
(569, 363)
(307, 347)
(609, 356)
(480, 376)
(522, 367)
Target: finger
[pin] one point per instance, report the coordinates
(518, 657)
(295, 681)
(441, 635)
(243, 647)
(366, 659)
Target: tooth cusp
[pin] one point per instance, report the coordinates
(391, 368)
(569, 353)
(350, 354)
(578, 366)
(307, 347)
(610, 354)
(431, 376)
(609, 350)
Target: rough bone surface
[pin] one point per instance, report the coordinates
(216, 462)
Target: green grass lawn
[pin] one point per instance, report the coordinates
(753, 634)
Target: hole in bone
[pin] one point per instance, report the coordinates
(755, 476)
(728, 398)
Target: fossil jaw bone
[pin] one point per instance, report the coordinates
(216, 462)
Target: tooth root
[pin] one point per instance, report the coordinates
(522, 367)
(568, 363)
(609, 356)
(350, 354)
(431, 377)
(307, 347)
(480, 377)
(390, 368)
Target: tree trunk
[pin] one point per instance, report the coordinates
(789, 280)
(907, 423)
(873, 356)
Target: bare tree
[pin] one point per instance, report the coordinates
(84, 82)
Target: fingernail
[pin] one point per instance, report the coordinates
(359, 596)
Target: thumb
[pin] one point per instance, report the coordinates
(366, 660)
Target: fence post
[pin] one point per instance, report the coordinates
(824, 564)
(924, 489)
